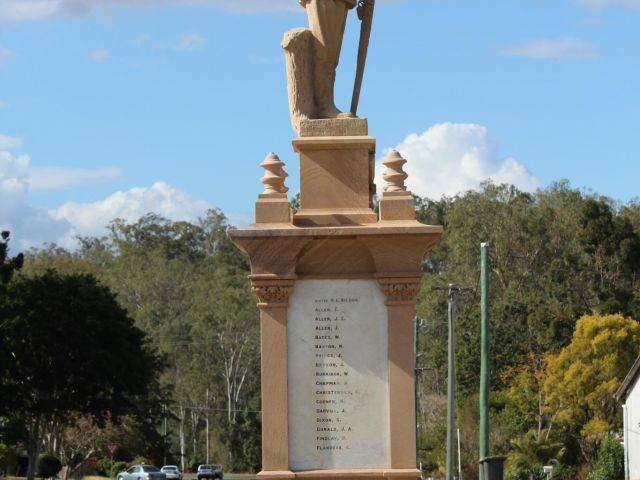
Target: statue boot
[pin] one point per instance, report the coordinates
(327, 20)
(324, 81)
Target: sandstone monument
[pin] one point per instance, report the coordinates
(336, 282)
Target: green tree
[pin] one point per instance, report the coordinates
(613, 245)
(8, 265)
(68, 347)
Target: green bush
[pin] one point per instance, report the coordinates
(48, 466)
(105, 468)
(610, 462)
(8, 458)
(140, 460)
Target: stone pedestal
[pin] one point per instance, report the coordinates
(336, 286)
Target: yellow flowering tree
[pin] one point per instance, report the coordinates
(583, 378)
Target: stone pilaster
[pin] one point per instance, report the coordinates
(401, 293)
(273, 295)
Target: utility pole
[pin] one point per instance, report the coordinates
(451, 380)
(484, 355)
(452, 294)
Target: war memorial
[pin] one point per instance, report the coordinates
(336, 281)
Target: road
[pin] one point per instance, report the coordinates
(227, 476)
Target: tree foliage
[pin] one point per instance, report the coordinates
(8, 265)
(185, 285)
(555, 255)
(68, 347)
(583, 378)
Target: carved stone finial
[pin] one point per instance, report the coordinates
(273, 179)
(394, 175)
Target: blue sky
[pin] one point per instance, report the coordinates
(110, 108)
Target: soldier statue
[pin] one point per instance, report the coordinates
(313, 55)
(327, 20)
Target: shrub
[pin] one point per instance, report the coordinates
(610, 462)
(8, 458)
(139, 460)
(48, 466)
(106, 468)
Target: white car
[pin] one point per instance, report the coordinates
(172, 472)
(142, 472)
(209, 472)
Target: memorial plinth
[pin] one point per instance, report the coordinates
(336, 284)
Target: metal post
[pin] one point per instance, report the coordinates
(459, 458)
(164, 433)
(485, 354)
(451, 382)
(207, 424)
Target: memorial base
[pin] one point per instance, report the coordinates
(333, 188)
(336, 285)
(350, 474)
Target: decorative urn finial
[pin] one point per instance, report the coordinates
(273, 179)
(394, 176)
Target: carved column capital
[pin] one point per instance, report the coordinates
(272, 292)
(400, 290)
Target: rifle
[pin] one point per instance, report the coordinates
(365, 14)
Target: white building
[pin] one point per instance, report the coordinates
(629, 395)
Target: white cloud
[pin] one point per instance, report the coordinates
(561, 48)
(191, 41)
(48, 178)
(452, 158)
(160, 198)
(5, 53)
(7, 142)
(29, 226)
(598, 4)
(3, 104)
(23, 10)
(100, 55)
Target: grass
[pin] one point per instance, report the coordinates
(88, 477)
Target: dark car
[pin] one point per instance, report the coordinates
(209, 472)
